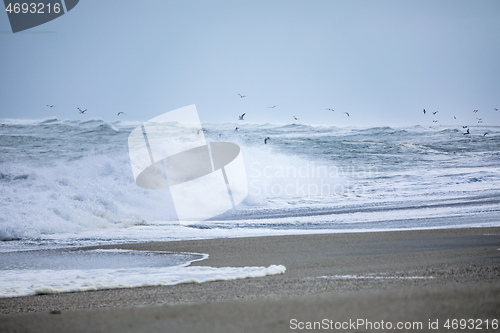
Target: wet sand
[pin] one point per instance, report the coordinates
(418, 278)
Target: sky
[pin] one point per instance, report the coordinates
(382, 61)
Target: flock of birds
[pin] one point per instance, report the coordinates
(479, 120)
(242, 116)
(272, 107)
(475, 111)
(84, 110)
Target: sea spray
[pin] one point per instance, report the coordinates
(61, 178)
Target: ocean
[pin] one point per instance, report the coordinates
(66, 184)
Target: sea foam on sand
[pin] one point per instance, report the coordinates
(45, 281)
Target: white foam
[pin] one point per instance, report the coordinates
(80, 183)
(32, 282)
(274, 177)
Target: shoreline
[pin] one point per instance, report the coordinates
(391, 275)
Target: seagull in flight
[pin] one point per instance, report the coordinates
(485, 134)
(330, 109)
(81, 111)
(295, 118)
(347, 113)
(272, 107)
(496, 109)
(241, 96)
(265, 140)
(119, 113)
(475, 111)
(50, 106)
(435, 112)
(241, 117)
(424, 111)
(467, 132)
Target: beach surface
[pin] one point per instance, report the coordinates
(404, 281)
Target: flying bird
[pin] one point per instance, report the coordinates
(464, 126)
(236, 129)
(435, 112)
(265, 140)
(330, 109)
(119, 113)
(272, 107)
(424, 111)
(241, 117)
(241, 96)
(81, 111)
(485, 134)
(467, 132)
(475, 111)
(347, 113)
(50, 106)
(295, 118)
(496, 109)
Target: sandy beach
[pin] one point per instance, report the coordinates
(404, 281)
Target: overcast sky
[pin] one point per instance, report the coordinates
(380, 61)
